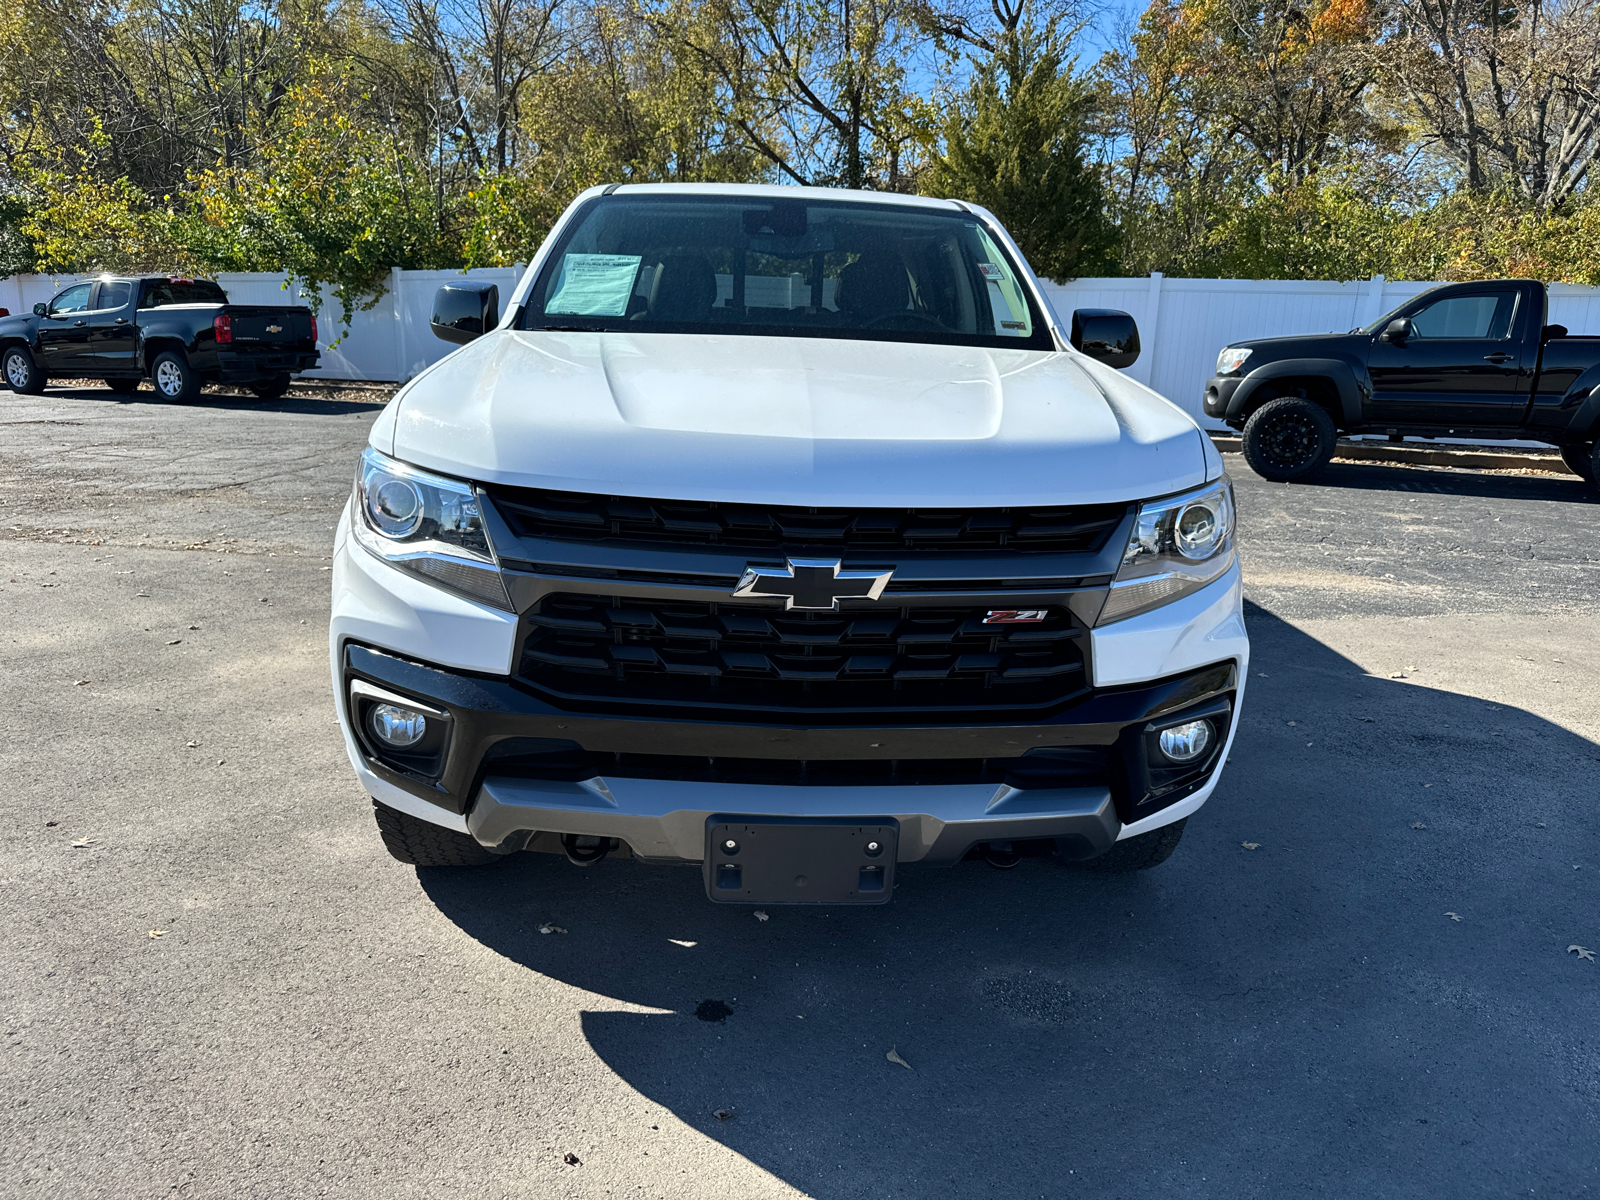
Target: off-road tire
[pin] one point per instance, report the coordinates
(1289, 439)
(21, 374)
(123, 387)
(424, 844)
(1580, 458)
(1138, 853)
(271, 389)
(175, 380)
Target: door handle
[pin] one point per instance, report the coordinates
(1498, 357)
(120, 321)
(76, 323)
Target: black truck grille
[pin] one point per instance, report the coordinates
(590, 518)
(595, 648)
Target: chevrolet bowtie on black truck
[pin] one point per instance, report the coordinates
(1475, 361)
(178, 333)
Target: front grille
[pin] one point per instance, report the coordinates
(536, 513)
(1073, 766)
(584, 649)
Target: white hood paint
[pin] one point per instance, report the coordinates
(802, 421)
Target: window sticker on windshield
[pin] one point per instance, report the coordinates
(594, 285)
(991, 271)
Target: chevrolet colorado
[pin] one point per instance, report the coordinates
(179, 333)
(786, 533)
(1466, 360)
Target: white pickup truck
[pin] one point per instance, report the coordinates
(788, 533)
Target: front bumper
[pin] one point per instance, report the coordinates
(1219, 395)
(395, 635)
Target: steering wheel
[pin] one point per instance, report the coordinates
(927, 321)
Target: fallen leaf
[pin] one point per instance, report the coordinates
(220, 761)
(894, 1057)
(175, 642)
(158, 933)
(82, 842)
(549, 928)
(1418, 825)
(571, 1159)
(192, 745)
(1582, 952)
(1454, 916)
(1251, 845)
(761, 916)
(48, 824)
(81, 683)
(194, 627)
(723, 1114)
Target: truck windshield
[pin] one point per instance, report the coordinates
(794, 268)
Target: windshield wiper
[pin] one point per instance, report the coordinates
(571, 329)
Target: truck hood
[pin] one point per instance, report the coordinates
(1306, 345)
(791, 421)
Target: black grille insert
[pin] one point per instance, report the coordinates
(536, 513)
(595, 648)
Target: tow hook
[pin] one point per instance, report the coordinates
(583, 849)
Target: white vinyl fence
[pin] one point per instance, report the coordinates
(1182, 322)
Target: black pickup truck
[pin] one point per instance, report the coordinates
(178, 333)
(1475, 361)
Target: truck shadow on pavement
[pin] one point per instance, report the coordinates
(304, 405)
(1453, 481)
(1299, 1015)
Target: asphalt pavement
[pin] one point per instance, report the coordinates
(1352, 979)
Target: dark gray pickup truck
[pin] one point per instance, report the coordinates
(1468, 360)
(179, 333)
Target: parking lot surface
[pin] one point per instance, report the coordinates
(1352, 979)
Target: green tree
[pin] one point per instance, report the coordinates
(1015, 143)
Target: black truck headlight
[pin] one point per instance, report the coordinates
(1177, 546)
(427, 524)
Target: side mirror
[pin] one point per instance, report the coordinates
(1551, 332)
(1106, 335)
(466, 310)
(1396, 331)
(41, 309)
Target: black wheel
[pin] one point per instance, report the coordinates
(1289, 438)
(1580, 458)
(1139, 853)
(424, 844)
(20, 373)
(271, 389)
(175, 380)
(123, 387)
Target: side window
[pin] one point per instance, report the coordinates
(1486, 316)
(74, 299)
(112, 295)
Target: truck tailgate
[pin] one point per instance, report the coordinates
(269, 325)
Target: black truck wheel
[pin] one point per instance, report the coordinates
(271, 389)
(1580, 458)
(123, 387)
(424, 844)
(1289, 438)
(175, 380)
(1139, 853)
(20, 372)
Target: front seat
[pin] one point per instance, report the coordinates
(684, 289)
(873, 286)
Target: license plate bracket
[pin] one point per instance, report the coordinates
(800, 860)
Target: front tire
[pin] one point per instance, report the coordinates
(423, 844)
(20, 372)
(174, 378)
(1289, 439)
(1580, 458)
(1139, 853)
(271, 389)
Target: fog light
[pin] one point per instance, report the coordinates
(1186, 742)
(396, 726)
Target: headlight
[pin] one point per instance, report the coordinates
(1177, 546)
(427, 524)
(1231, 359)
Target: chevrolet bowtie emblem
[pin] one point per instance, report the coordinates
(815, 584)
(274, 328)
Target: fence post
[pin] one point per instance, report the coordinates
(1374, 301)
(396, 280)
(1144, 369)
